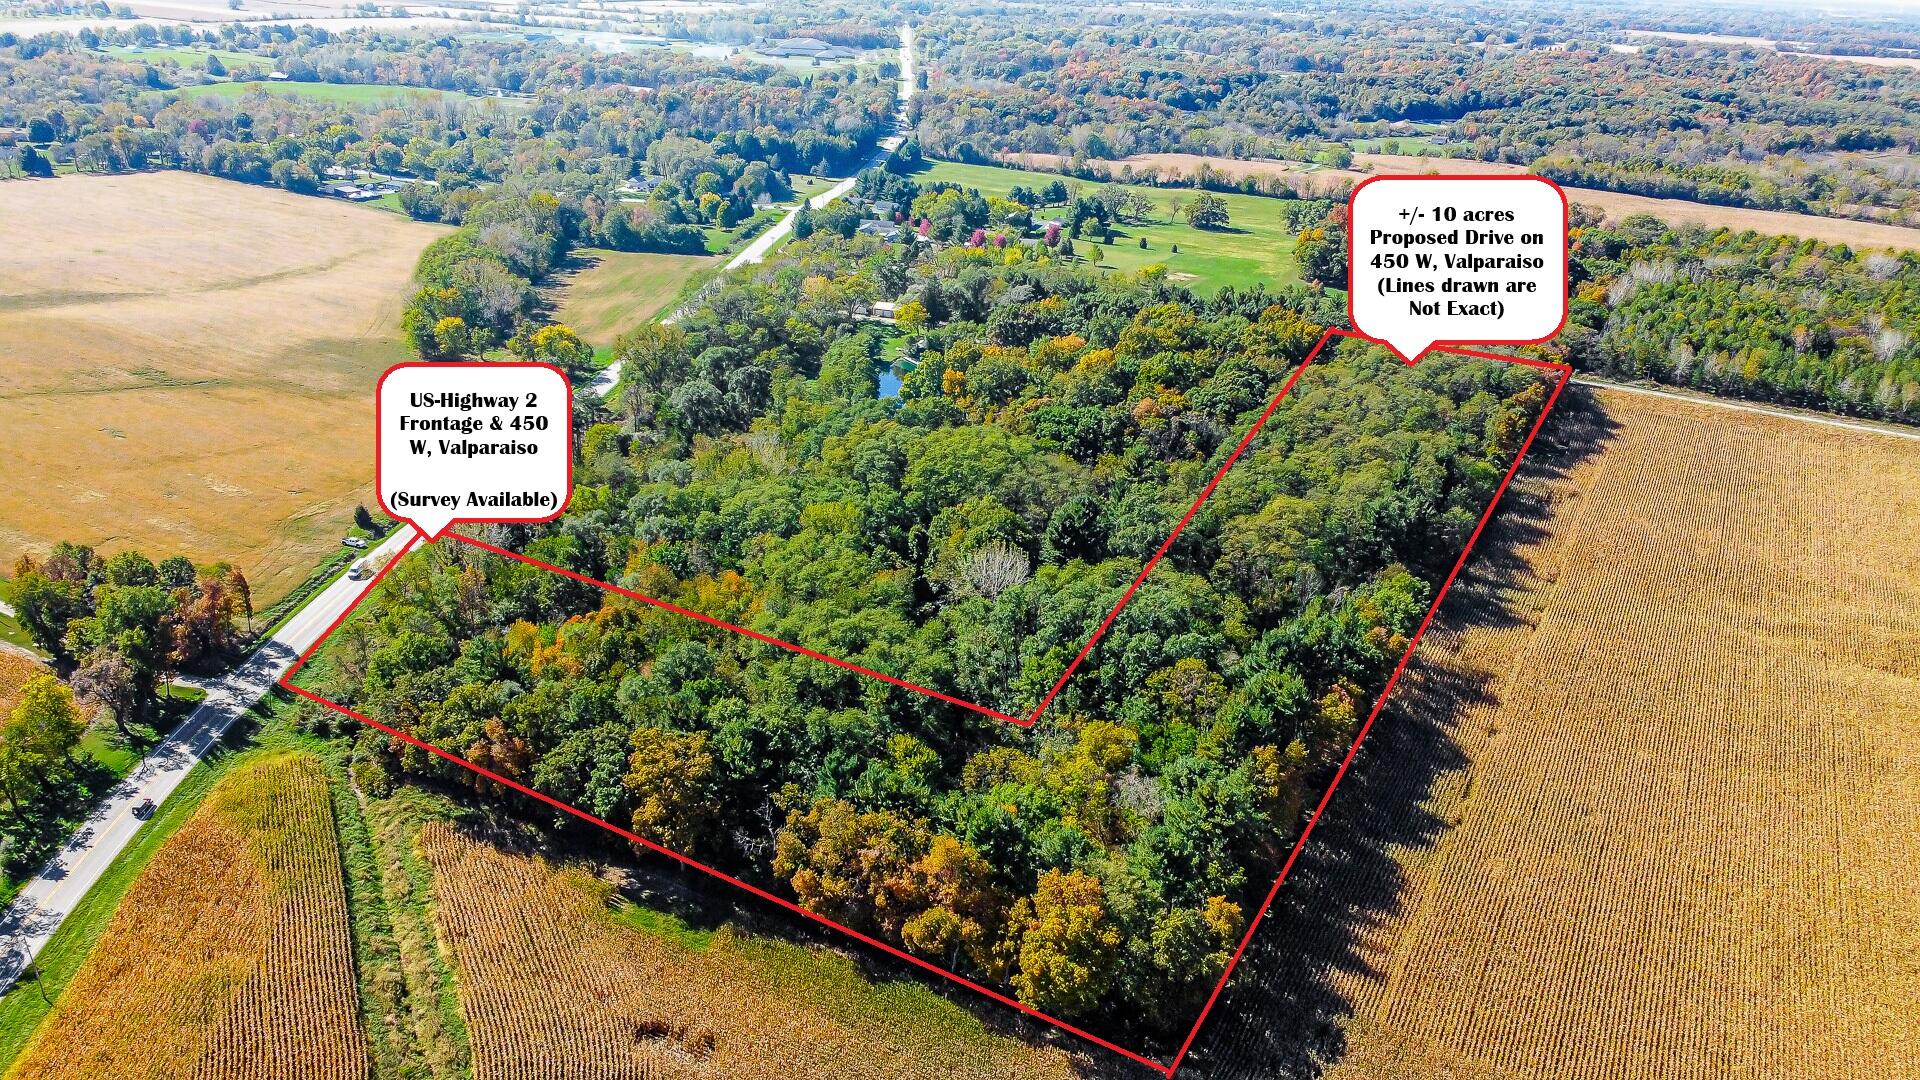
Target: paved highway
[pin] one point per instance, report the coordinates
(51, 896)
(609, 376)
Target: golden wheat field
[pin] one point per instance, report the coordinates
(189, 365)
(1648, 805)
(555, 987)
(231, 957)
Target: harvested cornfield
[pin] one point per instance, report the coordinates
(188, 366)
(1648, 806)
(15, 670)
(555, 986)
(230, 958)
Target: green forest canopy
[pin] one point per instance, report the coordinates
(967, 536)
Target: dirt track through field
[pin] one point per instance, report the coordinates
(1648, 807)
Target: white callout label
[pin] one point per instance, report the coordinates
(473, 442)
(1457, 260)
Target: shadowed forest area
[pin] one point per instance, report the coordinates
(1333, 923)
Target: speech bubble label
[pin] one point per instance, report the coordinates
(1458, 260)
(473, 442)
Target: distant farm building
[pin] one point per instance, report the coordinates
(806, 48)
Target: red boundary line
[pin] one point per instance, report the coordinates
(1099, 632)
(1167, 1069)
(1293, 856)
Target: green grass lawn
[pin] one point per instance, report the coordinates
(346, 93)
(1400, 144)
(725, 241)
(194, 58)
(105, 744)
(616, 291)
(389, 201)
(1255, 249)
(11, 631)
(806, 186)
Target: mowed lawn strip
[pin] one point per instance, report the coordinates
(1328, 182)
(189, 57)
(618, 290)
(1256, 248)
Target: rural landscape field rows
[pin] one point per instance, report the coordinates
(186, 362)
(799, 392)
(1682, 682)
(230, 959)
(553, 985)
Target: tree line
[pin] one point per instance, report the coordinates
(585, 130)
(126, 624)
(120, 627)
(1731, 125)
(1772, 318)
(967, 536)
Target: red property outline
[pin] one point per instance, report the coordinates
(380, 492)
(1566, 222)
(1165, 1069)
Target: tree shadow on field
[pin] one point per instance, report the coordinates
(1286, 1013)
(564, 273)
(1285, 1016)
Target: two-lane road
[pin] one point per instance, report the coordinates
(51, 896)
(757, 251)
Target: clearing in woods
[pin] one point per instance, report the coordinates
(187, 366)
(615, 291)
(1256, 247)
(547, 973)
(230, 957)
(1648, 805)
